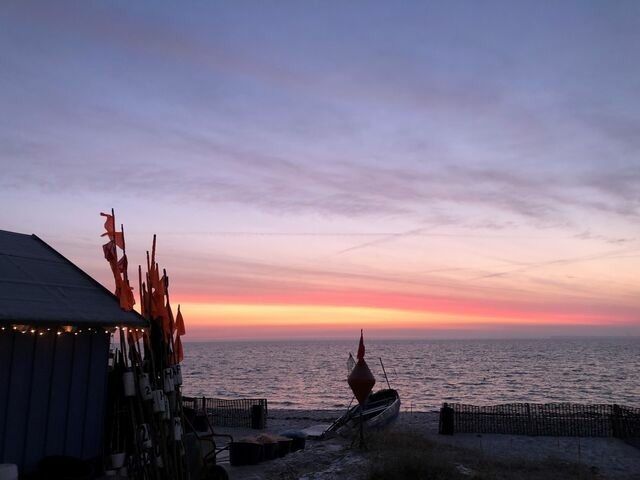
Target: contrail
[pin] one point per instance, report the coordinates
(388, 238)
(626, 253)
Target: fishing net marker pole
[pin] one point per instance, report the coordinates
(385, 373)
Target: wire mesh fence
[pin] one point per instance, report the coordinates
(244, 412)
(552, 419)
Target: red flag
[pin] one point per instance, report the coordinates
(179, 323)
(143, 300)
(156, 285)
(179, 353)
(123, 264)
(158, 309)
(118, 237)
(167, 321)
(360, 355)
(117, 277)
(110, 230)
(109, 224)
(127, 300)
(109, 250)
(123, 291)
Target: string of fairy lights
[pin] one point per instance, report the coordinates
(66, 329)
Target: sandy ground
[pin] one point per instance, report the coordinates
(336, 458)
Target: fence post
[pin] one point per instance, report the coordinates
(257, 417)
(446, 420)
(615, 421)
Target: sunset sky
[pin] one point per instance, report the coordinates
(417, 169)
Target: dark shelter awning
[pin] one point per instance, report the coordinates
(40, 287)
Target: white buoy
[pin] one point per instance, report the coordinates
(144, 436)
(129, 384)
(117, 460)
(177, 374)
(177, 429)
(168, 380)
(145, 386)
(158, 401)
(166, 413)
(8, 471)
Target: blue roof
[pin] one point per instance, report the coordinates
(38, 286)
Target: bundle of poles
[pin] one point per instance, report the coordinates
(146, 404)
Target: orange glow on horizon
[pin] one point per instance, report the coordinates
(320, 317)
(412, 308)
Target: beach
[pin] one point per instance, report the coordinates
(337, 458)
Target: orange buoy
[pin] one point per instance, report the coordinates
(361, 380)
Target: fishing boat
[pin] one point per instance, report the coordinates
(380, 409)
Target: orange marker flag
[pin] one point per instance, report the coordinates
(168, 321)
(110, 227)
(144, 300)
(123, 264)
(158, 309)
(180, 323)
(179, 352)
(360, 355)
(127, 300)
(109, 250)
(109, 224)
(118, 267)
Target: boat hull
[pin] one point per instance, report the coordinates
(381, 409)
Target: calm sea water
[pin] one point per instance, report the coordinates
(312, 374)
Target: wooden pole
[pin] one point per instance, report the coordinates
(385, 373)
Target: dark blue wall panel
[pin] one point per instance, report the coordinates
(6, 357)
(96, 396)
(39, 407)
(77, 403)
(59, 395)
(52, 396)
(19, 394)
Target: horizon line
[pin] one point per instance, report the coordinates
(405, 339)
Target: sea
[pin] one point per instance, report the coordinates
(312, 375)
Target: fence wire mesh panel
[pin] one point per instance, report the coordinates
(229, 413)
(552, 419)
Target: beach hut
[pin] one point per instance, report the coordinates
(55, 328)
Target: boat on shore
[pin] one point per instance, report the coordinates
(380, 409)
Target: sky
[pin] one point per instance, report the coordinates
(417, 169)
